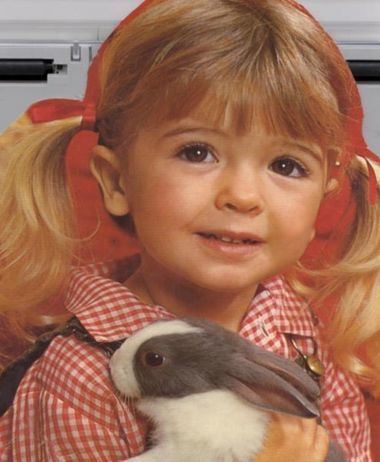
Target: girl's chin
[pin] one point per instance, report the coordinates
(221, 284)
(204, 275)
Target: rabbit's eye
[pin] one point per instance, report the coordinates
(153, 359)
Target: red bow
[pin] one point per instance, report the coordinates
(57, 109)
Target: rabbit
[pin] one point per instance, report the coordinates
(208, 391)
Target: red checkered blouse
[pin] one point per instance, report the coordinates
(66, 409)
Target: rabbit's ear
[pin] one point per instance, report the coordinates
(262, 377)
(267, 389)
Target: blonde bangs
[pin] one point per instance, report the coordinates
(278, 107)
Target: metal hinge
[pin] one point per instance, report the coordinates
(76, 52)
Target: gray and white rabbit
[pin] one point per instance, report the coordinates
(208, 391)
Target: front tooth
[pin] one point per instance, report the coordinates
(226, 239)
(230, 240)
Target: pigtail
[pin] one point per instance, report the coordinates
(354, 332)
(36, 228)
(350, 288)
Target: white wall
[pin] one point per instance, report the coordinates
(344, 10)
(60, 20)
(64, 10)
(346, 20)
(327, 10)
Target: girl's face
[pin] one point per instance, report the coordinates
(220, 210)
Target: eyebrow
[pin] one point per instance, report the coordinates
(316, 155)
(183, 130)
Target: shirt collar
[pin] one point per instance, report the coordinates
(291, 313)
(105, 307)
(110, 311)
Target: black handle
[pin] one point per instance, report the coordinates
(26, 69)
(365, 71)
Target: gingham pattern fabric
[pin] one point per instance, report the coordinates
(66, 409)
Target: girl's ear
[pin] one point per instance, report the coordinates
(106, 168)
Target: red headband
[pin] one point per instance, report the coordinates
(337, 211)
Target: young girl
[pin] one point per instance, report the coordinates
(225, 137)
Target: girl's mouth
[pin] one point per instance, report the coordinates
(229, 245)
(228, 239)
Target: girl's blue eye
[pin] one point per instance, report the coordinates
(287, 166)
(197, 153)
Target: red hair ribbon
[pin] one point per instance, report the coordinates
(338, 210)
(57, 109)
(49, 110)
(356, 143)
(93, 80)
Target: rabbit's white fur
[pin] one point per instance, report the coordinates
(231, 429)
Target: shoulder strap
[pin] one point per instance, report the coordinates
(12, 375)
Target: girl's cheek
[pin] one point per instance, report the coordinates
(155, 198)
(297, 221)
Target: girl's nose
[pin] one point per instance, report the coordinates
(240, 192)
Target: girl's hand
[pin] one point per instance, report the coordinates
(301, 439)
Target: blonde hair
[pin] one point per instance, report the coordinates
(354, 332)
(36, 232)
(264, 60)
